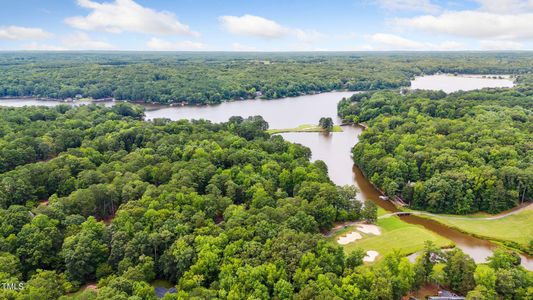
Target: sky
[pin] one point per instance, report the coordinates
(266, 25)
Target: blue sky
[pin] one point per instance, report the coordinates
(266, 25)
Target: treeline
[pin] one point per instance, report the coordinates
(213, 78)
(459, 153)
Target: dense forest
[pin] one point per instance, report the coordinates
(459, 153)
(221, 211)
(211, 78)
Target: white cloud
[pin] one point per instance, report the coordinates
(301, 47)
(241, 47)
(395, 42)
(164, 45)
(387, 41)
(505, 6)
(127, 15)
(250, 25)
(409, 5)
(22, 33)
(75, 41)
(82, 41)
(500, 45)
(474, 24)
(308, 36)
(363, 47)
(450, 45)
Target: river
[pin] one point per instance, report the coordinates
(334, 148)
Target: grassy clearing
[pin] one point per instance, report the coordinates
(86, 287)
(382, 211)
(395, 235)
(304, 128)
(513, 228)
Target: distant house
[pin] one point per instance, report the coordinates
(446, 295)
(258, 94)
(160, 291)
(383, 198)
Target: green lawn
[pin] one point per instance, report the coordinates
(304, 128)
(514, 228)
(395, 234)
(382, 211)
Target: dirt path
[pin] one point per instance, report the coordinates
(527, 206)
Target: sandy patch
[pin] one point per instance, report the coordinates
(91, 287)
(366, 228)
(370, 256)
(350, 237)
(86, 287)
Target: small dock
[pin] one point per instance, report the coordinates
(398, 201)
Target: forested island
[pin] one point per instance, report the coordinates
(208, 78)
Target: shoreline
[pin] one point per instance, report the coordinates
(512, 77)
(520, 248)
(171, 104)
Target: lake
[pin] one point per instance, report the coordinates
(280, 113)
(451, 83)
(334, 148)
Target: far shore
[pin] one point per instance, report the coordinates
(184, 103)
